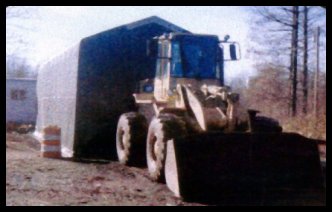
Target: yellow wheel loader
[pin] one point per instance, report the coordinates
(195, 134)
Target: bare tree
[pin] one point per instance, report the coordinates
(17, 68)
(268, 91)
(294, 52)
(284, 36)
(310, 17)
(282, 25)
(305, 60)
(279, 47)
(316, 74)
(17, 30)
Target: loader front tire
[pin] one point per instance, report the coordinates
(163, 128)
(130, 138)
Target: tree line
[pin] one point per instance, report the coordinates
(290, 83)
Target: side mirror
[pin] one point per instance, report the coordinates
(232, 51)
(152, 48)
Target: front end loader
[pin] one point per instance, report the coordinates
(193, 132)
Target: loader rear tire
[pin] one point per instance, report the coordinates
(130, 138)
(163, 128)
(265, 124)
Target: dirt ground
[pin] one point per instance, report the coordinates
(33, 180)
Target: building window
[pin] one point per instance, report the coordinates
(18, 94)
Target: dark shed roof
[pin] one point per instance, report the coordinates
(147, 21)
(157, 20)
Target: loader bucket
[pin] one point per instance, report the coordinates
(242, 166)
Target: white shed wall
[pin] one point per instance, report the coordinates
(21, 110)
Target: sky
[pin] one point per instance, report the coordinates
(54, 29)
(57, 28)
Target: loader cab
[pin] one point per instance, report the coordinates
(186, 59)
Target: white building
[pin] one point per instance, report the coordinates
(21, 100)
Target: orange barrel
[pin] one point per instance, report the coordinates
(50, 143)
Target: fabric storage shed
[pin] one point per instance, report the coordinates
(87, 88)
(21, 100)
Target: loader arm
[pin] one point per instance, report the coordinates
(191, 102)
(210, 117)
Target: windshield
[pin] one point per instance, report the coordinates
(194, 57)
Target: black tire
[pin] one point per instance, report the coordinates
(163, 128)
(265, 124)
(130, 138)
